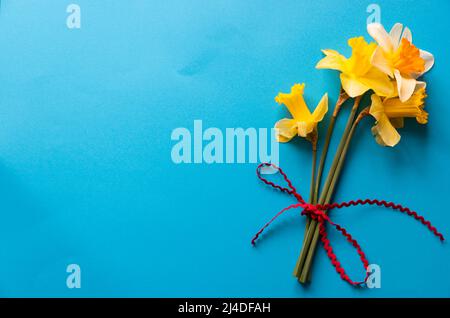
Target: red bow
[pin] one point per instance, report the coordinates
(316, 212)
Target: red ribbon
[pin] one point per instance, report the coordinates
(316, 212)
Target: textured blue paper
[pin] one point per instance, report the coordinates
(86, 175)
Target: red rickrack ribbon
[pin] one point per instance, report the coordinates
(316, 212)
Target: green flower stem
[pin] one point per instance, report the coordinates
(313, 181)
(315, 190)
(306, 253)
(315, 184)
(341, 100)
(305, 274)
(313, 169)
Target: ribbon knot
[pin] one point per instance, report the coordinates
(313, 211)
(317, 212)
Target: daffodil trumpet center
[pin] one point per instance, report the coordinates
(400, 112)
(407, 59)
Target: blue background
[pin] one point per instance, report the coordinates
(86, 175)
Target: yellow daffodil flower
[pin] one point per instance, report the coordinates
(303, 123)
(397, 57)
(357, 73)
(390, 112)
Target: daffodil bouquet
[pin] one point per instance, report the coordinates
(388, 70)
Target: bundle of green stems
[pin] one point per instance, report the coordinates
(303, 266)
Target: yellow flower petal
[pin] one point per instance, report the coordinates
(385, 134)
(407, 34)
(286, 129)
(332, 60)
(380, 61)
(377, 31)
(321, 109)
(429, 60)
(359, 63)
(383, 131)
(405, 86)
(376, 108)
(305, 128)
(396, 34)
(295, 103)
(352, 86)
(379, 82)
(420, 84)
